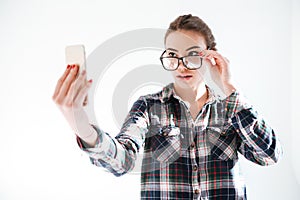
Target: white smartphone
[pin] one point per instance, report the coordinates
(75, 54)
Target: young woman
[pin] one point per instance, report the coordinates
(188, 136)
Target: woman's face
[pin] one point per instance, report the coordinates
(183, 43)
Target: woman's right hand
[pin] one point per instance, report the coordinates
(69, 96)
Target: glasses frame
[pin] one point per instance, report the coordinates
(178, 59)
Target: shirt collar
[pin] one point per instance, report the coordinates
(168, 92)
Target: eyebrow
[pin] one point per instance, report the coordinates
(172, 49)
(193, 47)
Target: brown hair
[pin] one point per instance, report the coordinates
(193, 23)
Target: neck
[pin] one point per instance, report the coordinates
(192, 94)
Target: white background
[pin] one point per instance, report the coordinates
(39, 158)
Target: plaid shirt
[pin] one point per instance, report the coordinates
(182, 158)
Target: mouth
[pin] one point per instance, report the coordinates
(184, 77)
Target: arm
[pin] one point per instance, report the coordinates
(69, 95)
(118, 155)
(255, 138)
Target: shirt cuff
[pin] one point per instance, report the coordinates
(105, 147)
(84, 146)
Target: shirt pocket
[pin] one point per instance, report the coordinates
(222, 142)
(166, 144)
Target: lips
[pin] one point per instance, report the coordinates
(185, 76)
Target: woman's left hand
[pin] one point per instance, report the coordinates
(219, 70)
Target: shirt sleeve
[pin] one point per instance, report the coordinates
(118, 154)
(255, 138)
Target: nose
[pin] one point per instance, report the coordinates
(181, 66)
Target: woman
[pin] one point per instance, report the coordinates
(189, 137)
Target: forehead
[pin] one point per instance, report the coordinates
(182, 40)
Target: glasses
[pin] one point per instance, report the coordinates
(171, 63)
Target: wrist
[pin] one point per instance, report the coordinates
(91, 138)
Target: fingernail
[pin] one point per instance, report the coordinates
(73, 66)
(68, 66)
(90, 81)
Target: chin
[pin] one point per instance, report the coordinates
(185, 84)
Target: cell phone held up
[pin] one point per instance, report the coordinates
(75, 54)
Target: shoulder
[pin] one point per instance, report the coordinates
(159, 96)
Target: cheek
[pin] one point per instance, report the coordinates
(173, 73)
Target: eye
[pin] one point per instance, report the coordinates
(193, 53)
(172, 54)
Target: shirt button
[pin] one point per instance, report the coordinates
(195, 168)
(197, 191)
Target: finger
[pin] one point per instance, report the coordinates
(218, 58)
(206, 53)
(207, 56)
(66, 84)
(81, 79)
(82, 94)
(75, 87)
(220, 61)
(60, 81)
(69, 80)
(209, 60)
